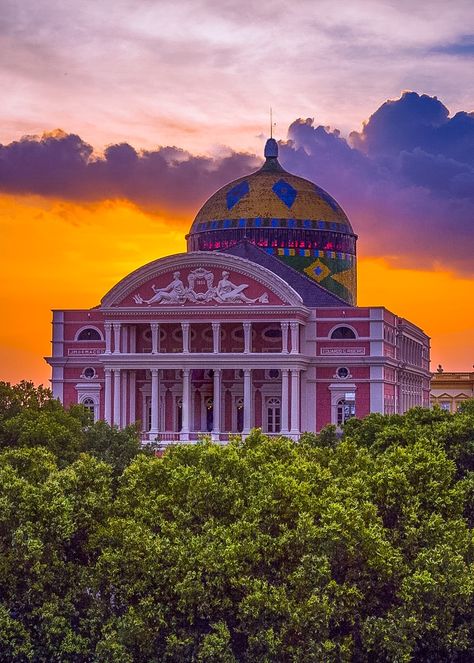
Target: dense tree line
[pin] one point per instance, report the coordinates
(352, 549)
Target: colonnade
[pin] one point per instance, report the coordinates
(120, 400)
(120, 338)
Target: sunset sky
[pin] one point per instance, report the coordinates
(118, 119)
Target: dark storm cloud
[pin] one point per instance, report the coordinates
(63, 165)
(406, 180)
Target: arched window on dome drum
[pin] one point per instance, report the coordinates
(343, 333)
(89, 334)
(293, 238)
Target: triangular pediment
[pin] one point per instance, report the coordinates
(200, 279)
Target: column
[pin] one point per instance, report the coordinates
(216, 399)
(155, 400)
(155, 338)
(185, 331)
(295, 337)
(295, 401)
(247, 337)
(284, 337)
(123, 418)
(108, 396)
(186, 403)
(117, 396)
(247, 400)
(133, 338)
(216, 337)
(117, 327)
(132, 397)
(285, 384)
(108, 338)
(125, 339)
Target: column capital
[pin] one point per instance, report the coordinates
(155, 325)
(185, 325)
(247, 325)
(108, 371)
(294, 324)
(107, 324)
(215, 324)
(155, 371)
(116, 325)
(186, 371)
(116, 371)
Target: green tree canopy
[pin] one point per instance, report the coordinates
(357, 548)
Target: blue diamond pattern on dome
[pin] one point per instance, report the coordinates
(236, 193)
(285, 192)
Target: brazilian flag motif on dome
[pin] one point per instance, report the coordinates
(330, 270)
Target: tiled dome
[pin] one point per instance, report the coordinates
(286, 215)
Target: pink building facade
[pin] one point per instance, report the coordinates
(225, 340)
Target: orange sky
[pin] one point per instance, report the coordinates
(57, 254)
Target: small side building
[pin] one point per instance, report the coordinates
(449, 389)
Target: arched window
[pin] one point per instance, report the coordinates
(345, 410)
(89, 405)
(273, 415)
(343, 333)
(239, 404)
(89, 334)
(179, 414)
(209, 414)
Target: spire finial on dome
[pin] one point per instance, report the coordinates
(271, 146)
(271, 149)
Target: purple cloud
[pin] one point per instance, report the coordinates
(63, 165)
(406, 180)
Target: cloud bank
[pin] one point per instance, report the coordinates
(406, 180)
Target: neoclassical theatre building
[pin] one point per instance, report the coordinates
(255, 326)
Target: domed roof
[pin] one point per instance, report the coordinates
(285, 216)
(271, 192)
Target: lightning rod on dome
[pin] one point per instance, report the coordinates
(272, 124)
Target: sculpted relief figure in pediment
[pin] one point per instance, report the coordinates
(201, 290)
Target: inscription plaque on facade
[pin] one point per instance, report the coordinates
(342, 351)
(73, 352)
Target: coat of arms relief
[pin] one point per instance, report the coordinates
(201, 290)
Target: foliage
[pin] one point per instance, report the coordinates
(336, 549)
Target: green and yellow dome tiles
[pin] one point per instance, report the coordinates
(287, 216)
